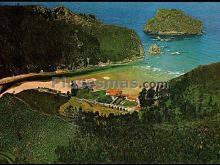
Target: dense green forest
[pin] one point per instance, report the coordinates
(197, 93)
(34, 38)
(166, 133)
(193, 95)
(173, 22)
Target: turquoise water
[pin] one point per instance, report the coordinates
(194, 51)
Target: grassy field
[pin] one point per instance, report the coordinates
(43, 102)
(128, 103)
(87, 94)
(104, 111)
(99, 96)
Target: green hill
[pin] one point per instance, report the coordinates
(29, 134)
(173, 22)
(34, 38)
(197, 92)
(33, 131)
(34, 137)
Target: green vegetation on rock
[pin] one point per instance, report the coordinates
(173, 22)
(154, 49)
(34, 38)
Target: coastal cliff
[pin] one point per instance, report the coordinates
(34, 38)
(173, 22)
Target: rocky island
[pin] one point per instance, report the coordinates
(154, 49)
(173, 22)
(34, 38)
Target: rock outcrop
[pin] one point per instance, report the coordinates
(154, 49)
(173, 22)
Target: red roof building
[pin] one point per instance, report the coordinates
(113, 92)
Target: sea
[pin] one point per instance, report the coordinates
(180, 54)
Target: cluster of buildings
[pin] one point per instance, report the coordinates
(118, 94)
(115, 93)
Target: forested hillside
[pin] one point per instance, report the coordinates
(34, 38)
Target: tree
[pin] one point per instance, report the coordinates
(142, 96)
(74, 88)
(178, 114)
(79, 117)
(210, 100)
(68, 94)
(150, 97)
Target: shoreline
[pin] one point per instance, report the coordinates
(11, 79)
(173, 34)
(8, 82)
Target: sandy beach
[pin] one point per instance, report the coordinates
(120, 74)
(38, 84)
